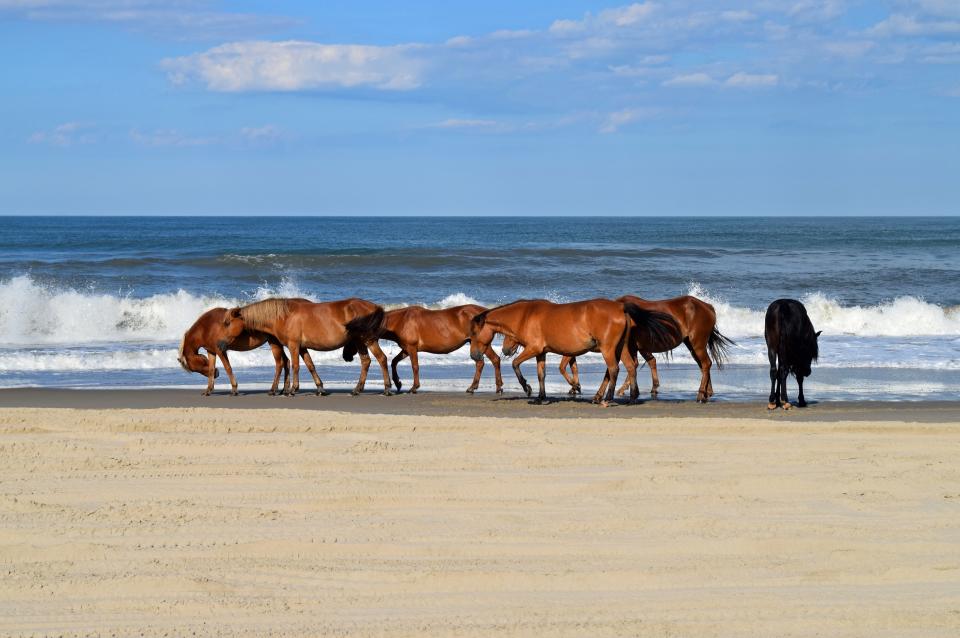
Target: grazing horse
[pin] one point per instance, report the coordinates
(695, 327)
(541, 326)
(209, 332)
(791, 347)
(416, 329)
(353, 324)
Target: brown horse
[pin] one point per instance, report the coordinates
(696, 322)
(541, 326)
(416, 329)
(210, 333)
(353, 324)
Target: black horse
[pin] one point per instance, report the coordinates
(791, 346)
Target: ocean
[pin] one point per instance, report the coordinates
(102, 302)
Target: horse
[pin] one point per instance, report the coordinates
(210, 333)
(696, 327)
(541, 326)
(416, 329)
(791, 347)
(353, 324)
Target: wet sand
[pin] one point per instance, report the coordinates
(482, 404)
(396, 516)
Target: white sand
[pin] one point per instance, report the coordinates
(230, 522)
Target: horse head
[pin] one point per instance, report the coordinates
(481, 334)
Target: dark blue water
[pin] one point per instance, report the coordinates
(856, 261)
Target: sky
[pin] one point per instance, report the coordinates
(686, 107)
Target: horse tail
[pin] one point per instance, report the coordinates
(367, 327)
(660, 327)
(718, 344)
(350, 351)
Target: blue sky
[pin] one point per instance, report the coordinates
(752, 107)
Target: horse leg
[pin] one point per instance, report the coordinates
(393, 366)
(527, 353)
(212, 361)
(364, 367)
(415, 364)
(495, 360)
(699, 354)
(611, 356)
(654, 374)
(801, 402)
(229, 371)
(542, 378)
(631, 380)
(631, 365)
(569, 378)
(308, 360)
(575, 371)
(382, 360)
(280, 362)
(784, 373)
(294, 368)
(773, 402)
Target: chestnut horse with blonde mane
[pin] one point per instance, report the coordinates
(352, 324)
(696, 321)
(416, 329)
(210, 333)
(541, 326)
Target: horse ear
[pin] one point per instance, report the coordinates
(818, 333)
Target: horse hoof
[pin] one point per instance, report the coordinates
(537, 401)
(204, 394)
(771, 406)
(412, 390)
(801, 404)
(573, 392)
(470, 390)
(354, 392)
(323, 393)
(500, 390)
(387, 393)
(604, 404)
(787, 406)
(528, 390)
(234, 393)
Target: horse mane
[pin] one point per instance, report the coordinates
(481, 318)
(260, 313)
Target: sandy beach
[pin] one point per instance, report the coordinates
(653, 520)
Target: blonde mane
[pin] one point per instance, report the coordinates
(260, 313)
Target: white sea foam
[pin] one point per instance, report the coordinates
(902, 317)
(50, 329)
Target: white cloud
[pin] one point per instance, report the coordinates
(613, 121)
(751, 81)
(618, 17)
(738, 16)
(298, 66)
(177, 18)
(266, 134)
(690, 80)
(169, 137)
(66, 134)
(904, 25)
(849, 49)
(466, 123)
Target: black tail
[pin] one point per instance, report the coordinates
(661, 328)
(362, 330)
(717, 344)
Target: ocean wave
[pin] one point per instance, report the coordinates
(32, 313)
(901, 317)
